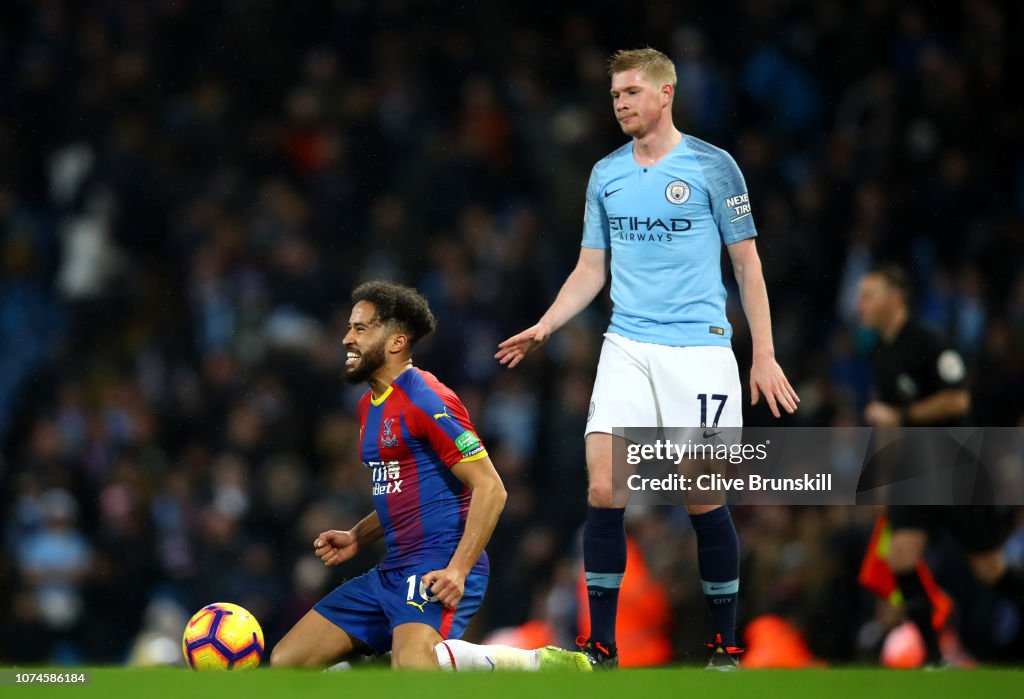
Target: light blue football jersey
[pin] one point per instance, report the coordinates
(664, 225)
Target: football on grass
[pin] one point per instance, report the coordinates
(222, 636)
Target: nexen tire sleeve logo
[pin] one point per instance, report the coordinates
(740, 205)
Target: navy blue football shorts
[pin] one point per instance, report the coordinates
(368, 608)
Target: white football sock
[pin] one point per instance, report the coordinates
(461, 656)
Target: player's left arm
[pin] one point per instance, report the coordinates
(766, 376)
(485, 506)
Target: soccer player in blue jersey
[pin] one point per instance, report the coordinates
(658, 210)
(436, 500)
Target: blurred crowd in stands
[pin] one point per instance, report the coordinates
(190, 189)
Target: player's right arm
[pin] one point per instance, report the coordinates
(337, 546)
(485, 506)
(583, 285)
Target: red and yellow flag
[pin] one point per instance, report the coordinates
(876, 575)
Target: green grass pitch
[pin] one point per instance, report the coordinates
(623, 684)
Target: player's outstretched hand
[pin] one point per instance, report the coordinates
(334, 546)
(511, 351)
(767, 377)
(446, 585)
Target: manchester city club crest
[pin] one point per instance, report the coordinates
(677, 192)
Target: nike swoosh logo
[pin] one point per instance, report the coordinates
(611, 192)
(709, 436)
(712, 588)
(419, 606)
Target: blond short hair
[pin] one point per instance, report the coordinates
(655, 66)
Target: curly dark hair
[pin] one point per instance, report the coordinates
(399, 305)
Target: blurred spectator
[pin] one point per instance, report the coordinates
(53, 560)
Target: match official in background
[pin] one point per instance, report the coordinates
(919, 382)
(918, 377)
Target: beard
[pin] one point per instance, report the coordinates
(369, 362)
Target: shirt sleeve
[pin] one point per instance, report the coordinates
(727, 192)
(596, 233)
(443, 421)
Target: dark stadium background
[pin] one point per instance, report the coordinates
(190, 189)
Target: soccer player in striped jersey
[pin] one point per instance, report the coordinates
(659, 210)
(436, 501)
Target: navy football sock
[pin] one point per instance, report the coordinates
(604, 560)
(718, 556)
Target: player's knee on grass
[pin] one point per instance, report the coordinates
(412, 647)
(414, 657)
(286, 655)
(314, 642)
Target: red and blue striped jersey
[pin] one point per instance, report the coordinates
(410, 438)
